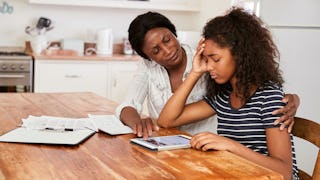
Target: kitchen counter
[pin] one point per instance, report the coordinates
(113, 57)
(72, 55)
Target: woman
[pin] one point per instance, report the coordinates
(244, 87)
(166, 64)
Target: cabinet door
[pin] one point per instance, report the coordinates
(71, 76)
(121, 77)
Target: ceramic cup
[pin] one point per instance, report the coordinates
(90, 48)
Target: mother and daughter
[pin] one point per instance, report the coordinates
(242, 88)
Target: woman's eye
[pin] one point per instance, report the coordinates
(166, 39)
(216, 60)
(155, 51)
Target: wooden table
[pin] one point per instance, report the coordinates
(103, 156)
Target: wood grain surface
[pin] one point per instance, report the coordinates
(103, 156)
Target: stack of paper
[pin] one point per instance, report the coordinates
(61, 130)
(56, 123)
(109, 124)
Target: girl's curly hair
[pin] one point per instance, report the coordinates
(252, 47)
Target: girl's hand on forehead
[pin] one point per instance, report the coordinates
(199, 64)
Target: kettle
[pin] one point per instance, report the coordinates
(104, 42)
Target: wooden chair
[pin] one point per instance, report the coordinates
(309, 131)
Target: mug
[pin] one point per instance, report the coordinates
(90, 48)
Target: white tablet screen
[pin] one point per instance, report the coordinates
(168, 140)
(164, 142)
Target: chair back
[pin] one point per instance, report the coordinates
(309, 131)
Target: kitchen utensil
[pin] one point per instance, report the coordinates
(104, 42)
(32, 31)
(43, 23)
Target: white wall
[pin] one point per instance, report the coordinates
(73, 21)
(211, 9)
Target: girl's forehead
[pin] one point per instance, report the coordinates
(211, 44)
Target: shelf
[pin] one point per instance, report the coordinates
(173, 5)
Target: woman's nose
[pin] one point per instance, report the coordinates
(166, 49)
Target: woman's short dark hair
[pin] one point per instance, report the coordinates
(142, 24)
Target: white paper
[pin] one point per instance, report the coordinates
(55, 123)
(109, 124)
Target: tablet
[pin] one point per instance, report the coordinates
(161, 143)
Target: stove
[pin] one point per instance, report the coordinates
(16, 70)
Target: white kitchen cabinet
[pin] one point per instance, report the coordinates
(71, 76)
(121, 75)
(110, 79)
(170, 5)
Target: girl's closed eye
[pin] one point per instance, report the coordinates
(214, 58)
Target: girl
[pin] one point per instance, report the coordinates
(244, 87)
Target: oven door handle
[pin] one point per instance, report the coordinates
(11, 76)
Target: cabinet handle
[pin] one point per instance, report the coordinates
(72, 76)
(114, 82)
(11, 76)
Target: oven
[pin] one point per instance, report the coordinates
(16, 70)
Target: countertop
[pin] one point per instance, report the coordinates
(72, 55)
(113, 57)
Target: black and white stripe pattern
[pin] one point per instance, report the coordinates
(248, 124)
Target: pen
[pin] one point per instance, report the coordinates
(65, 129)
(68, 129)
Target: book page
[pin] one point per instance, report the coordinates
(109, 124)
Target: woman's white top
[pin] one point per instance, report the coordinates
(152, 82)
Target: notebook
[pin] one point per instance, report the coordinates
(62, 137)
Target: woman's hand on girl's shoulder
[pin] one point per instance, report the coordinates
(289, 111)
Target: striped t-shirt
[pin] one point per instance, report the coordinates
(248, 124)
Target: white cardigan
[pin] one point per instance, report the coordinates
(152, 81)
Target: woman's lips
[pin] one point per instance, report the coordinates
(173, 57)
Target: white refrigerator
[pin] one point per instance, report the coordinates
(295, 26)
